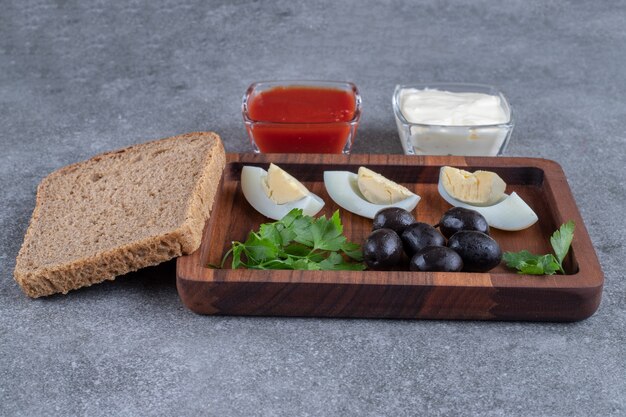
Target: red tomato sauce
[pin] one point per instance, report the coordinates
(302, 119)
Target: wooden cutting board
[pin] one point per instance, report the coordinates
(501, 294)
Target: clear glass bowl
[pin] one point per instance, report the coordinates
(301, 136)
(431, 139)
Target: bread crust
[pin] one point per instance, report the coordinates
(61, 277)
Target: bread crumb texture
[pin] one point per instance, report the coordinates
(119, 212)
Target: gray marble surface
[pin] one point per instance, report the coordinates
(78, 78)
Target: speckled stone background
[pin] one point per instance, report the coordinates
(78, 78)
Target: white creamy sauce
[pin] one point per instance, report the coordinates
(447, 123)
(445, 108)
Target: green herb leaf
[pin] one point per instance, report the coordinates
(352, 250)
(332, 261)
(290, 217)
(298, 241)
(271, 232)
(513, 259)
(527, 263)
(336, 262)
(273, 264)
(236, 251)
(297, 250)
(531, 264)
(561, 241)
(303, 231)
(549, 263)
(257, 248)
(328, 234)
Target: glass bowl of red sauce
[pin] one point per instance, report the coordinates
(302, 116)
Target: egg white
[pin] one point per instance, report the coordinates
(511, 214)
(343, 188)
(252, 186)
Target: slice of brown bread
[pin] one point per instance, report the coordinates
(119, 212)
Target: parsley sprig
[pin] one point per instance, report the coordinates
(297, 241)
(528, 263)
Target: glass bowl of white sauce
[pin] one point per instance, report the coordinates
(452, 119)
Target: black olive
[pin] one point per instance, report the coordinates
(459, 218)
(436, 258)
(479, 252)
(419, 235)
(393, 218)
(382, 249)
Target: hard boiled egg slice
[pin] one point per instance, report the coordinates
(479, 188)
(343, 188)
(512, 213)
(254, 186)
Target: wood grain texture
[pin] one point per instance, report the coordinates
(499, 295)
